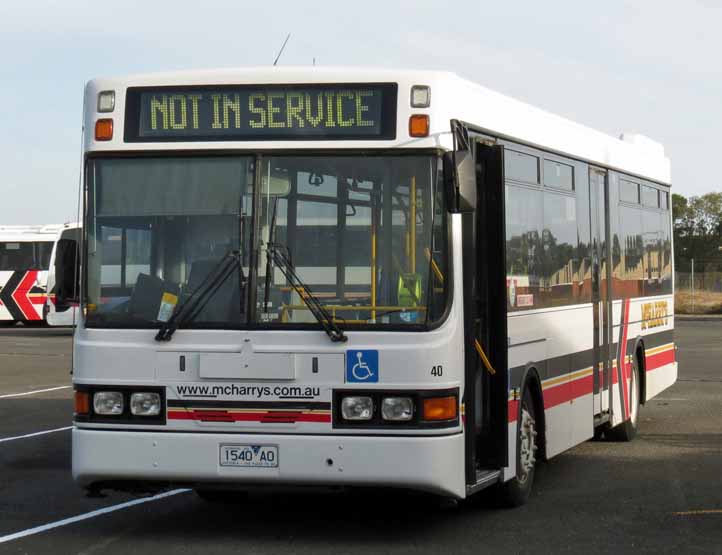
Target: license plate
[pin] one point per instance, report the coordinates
(249, 456)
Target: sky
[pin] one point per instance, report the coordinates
(647, 66)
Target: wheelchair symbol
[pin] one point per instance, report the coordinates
(362, 366)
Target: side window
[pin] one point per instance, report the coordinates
(664, 200)
(631, 277)
(628, 191)
(650, 196)
(558, 175)
(559, 241)
(524, 255)
(521, 167)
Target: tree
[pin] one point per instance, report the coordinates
(697, 228)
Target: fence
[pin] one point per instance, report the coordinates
(698, 289)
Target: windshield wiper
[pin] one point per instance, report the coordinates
(279, 254)
(199, 297)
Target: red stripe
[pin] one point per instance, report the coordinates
(513, 410)
(264, 417)
(20, 296)
(38, 299)
(565, 392)
(658, 360)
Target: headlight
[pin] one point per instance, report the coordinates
(397, 409)
(108, 402)
(145, 404)
(357, 408)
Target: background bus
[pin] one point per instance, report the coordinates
(25, 253)
(59, 309)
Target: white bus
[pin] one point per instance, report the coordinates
(24, 262)
(58, 311)
(351, 277)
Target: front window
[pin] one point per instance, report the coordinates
(365, 235)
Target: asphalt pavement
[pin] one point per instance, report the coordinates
(662, 492)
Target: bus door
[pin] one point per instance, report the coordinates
(486, 397)
(601, 292)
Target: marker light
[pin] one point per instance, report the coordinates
(420, 96)
(82, 402)
(357, 408)
(440, 408)
(108, 403)
(419, 125)
(397, 409)
(145, 404)
(106, 101)
(104, 130)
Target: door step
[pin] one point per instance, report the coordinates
(484, 479)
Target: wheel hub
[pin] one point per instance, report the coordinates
(527, 445)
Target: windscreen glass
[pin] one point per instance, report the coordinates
(157, 229)
(364, 235)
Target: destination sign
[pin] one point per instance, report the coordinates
(286, 112)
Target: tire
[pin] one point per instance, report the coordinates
(626, 431)
(515, 492)
(222, 496)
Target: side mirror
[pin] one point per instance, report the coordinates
(67, 273)
(460, 181)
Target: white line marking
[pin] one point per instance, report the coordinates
(86, 516)
(4, 439)
(35, 391)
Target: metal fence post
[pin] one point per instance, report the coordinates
(692, 284)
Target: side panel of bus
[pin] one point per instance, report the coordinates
(589, 285)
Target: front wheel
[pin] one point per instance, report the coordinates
(515, 492)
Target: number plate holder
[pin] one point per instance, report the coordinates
(248, 456)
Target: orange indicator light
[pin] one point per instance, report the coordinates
(440, 408)
(82, 402)
(419, 125)
(104, 130)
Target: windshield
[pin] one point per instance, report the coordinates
(365, 234)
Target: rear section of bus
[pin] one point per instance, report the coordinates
(24, 261)
(268, 284)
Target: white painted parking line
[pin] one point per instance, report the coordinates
(35, 391)
(4, 439)
(86, 516)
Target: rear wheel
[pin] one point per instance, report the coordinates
(628, 429)
(516, 491)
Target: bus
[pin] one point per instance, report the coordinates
(24, 262)
(359, 277)
(58, 311)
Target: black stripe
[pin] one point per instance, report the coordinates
(304, 405)
(562, 365)
(6, 296)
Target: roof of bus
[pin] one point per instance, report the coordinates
(452, 97)
(23, 233)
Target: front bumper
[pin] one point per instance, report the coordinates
(431, 463)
